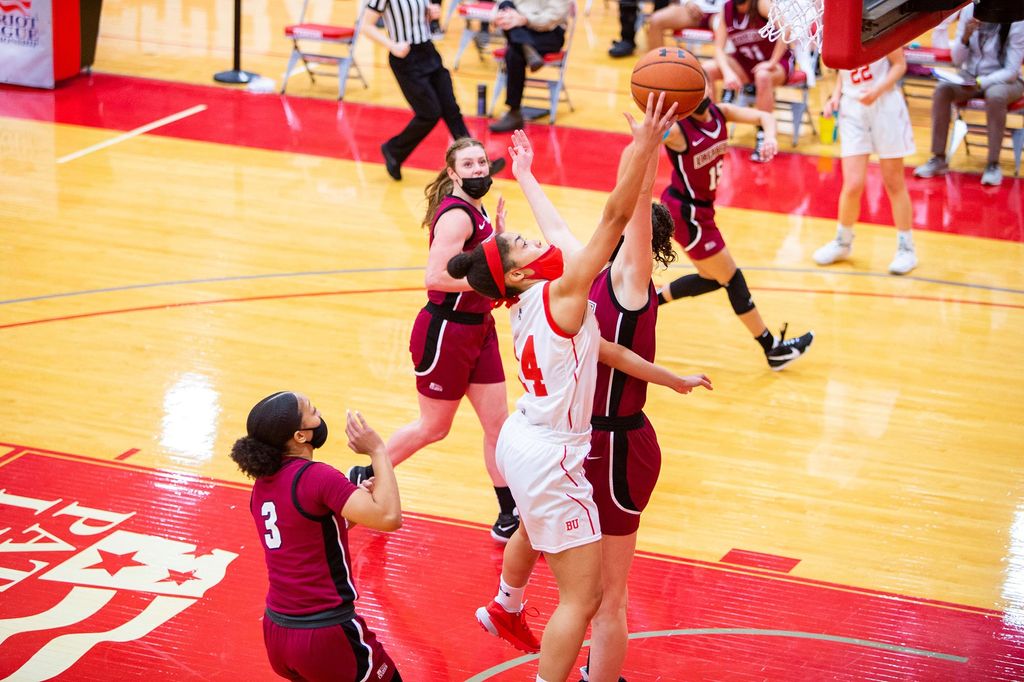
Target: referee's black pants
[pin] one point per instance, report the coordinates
(544, 42)
(427, 87)
(628, 10)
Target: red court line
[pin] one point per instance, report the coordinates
(791, 184)
(771, 562)
(247, 299)
(128, 453)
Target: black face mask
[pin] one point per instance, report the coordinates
(319, 434)
(476, 187)
(703, 106)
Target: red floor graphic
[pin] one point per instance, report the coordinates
(792, 184)
(110, 570)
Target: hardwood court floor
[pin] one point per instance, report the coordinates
(152, 290)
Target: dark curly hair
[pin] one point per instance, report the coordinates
(473, 266)
(271, 424)
(662, 229)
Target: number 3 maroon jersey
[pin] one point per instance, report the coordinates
(297, 512)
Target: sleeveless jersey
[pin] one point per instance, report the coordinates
(858, 81)
(557, 371)
(617, 394)
(743, 31)
(305, 546)
(463, 301)
(697, 172)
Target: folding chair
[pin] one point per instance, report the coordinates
(693, 39)
(800, 80)
(555, 86)
(962, 130)
(325, 35)
(483, 12)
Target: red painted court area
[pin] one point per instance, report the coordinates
(792, 183)
(109, 570)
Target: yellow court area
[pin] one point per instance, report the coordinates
(151, 292)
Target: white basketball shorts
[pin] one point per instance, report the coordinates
(882, 128)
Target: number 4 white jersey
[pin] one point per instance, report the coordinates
(858, 81)
(559, 372)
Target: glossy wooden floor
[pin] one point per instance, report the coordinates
(196, 278)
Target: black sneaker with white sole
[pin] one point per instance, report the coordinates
(504, 527)
(358, 474)
(786, 350)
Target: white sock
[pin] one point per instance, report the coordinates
(905, 240)
(844, 233)
(510, 598)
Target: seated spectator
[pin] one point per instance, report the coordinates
(628, 10)
(533, 28)
(758, 63)
(677, 16)
(989, 57)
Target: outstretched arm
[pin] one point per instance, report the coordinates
(556, 231)
(634, 263)
(765, 119)
(623, 359)
(569, 292)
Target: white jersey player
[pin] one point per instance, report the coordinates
(543, 443)
(873, 119)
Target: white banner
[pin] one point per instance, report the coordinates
(26, 42)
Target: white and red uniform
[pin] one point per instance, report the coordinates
(882, 127)
(543, 443)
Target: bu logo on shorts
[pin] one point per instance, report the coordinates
(572, 524)
(436, 387)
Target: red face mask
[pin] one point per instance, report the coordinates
(549, 265)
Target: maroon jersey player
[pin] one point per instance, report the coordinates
(696, 147)
(302, 509)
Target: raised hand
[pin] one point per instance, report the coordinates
(361, 436)
(500, 215)
(648, 135)
(521, 152)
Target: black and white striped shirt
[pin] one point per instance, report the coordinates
(404, 20)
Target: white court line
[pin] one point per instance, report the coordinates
(133, 133)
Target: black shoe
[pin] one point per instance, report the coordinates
(786, 350)
(512, 120)
(585, 673)
(621, 48)
(755, 155)
(497, 165)
(392, 164)
(358, 474)
(504, 527)
(728, 96)
(750, 90)
(533, 58)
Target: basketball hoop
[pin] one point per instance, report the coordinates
(795, 21)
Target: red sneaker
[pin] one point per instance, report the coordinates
(511, 627)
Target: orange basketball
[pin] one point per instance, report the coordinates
(673, 71)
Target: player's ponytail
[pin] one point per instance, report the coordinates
(442, 185)
(662, 229)
(256, 459)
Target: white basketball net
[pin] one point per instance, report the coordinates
(795, 21)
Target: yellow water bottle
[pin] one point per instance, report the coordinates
(828, 128)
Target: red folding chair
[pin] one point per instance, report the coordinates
(335, 46)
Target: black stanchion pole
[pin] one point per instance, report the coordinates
(236, 75)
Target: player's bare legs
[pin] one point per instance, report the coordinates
(578, 574)
(434, 423)
(609, 633)
(855, 170)
(491, 404)
(896, 188)
(519, 559)
(671, 18)
(766, 80)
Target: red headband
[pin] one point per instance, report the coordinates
(497, 271)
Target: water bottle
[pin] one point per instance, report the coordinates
(481, 99)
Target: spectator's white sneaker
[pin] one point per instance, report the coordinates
(932, 167)
(833, 252)
(993, 175)
(904, 262)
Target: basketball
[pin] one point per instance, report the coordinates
(673, 71)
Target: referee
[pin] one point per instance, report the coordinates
(417, 66)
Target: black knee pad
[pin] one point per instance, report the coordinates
(739, 294)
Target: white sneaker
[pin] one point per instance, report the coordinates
(833, 252)
(904, 262)
(993, 175)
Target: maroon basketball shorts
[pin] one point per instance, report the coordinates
(695, 227)
(448, 356)
(349, 651)
(623, 468)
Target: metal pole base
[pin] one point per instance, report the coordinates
(235, 76)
